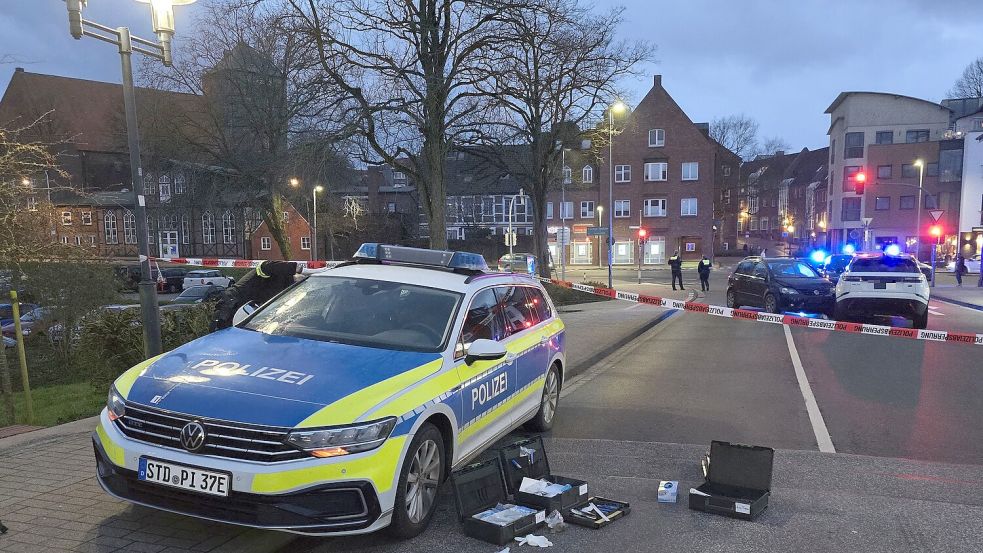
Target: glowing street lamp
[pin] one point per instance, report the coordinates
(295, 182)
(618, 107)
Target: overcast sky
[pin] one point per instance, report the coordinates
(779, 61)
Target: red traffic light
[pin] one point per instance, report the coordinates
(861, 177)
(935, 231)
(859, 180)
(642, 233)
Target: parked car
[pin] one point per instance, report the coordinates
(517, 263)
(835, 265)
(779, 284)
(171, 280)
(972, 265)
(7, 312)
(883, 285)
(202, 277)
(38, 318)
(198, 294)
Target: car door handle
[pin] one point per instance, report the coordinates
(509, 358)
(543, 339)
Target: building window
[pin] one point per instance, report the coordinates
(726, 170)
(586, 210)
(229, 227)
(849, 183)
(86, 218)
(185, 230)
(399, 177)
(654, 207)
(906, 202)
(950, 165)
(657, 138)
(111, 231)
(207, 228)
(691, 170)
(764, 223)
(66, 218)
(932, 169)
(691, 246)
(687, 207)
(754, 223)
(916, 135)
(305, 242)
(853, 145)
(149, 184)
(286, 218)
(78, 240)
(566, 210)
(588, 174)
(909, 171)
(549, 210)
(884, 171)
(658, 171)
(622, 173)
(885, 137)
(567, 175)
(151, 230)
(169, 222)
(391, 207)
(931, 201)
(851, 209)
(32, 203)
(92, 240)
(129, 228)
(882, 203)
(165, 188)
(64, 240)
(725, 246)
(726, 196)
(265, 243)
(179, 183)
(622, 208)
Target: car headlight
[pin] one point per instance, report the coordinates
(788, 291)
(115, 404)
(343, 440)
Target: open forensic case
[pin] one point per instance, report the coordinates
(526, 458)
(738, 481)
(582, 514)
(481, 499)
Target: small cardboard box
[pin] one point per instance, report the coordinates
(479, 487)
(738, 481)
(667, 491)
(518, 466)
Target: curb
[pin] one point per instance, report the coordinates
(81, 426)
(583, 365)
(967, 305)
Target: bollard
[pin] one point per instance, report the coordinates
(22, 357)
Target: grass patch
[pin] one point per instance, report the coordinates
(56, 404)
(568, 296)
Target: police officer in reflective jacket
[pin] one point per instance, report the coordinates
(704, 270)
(676, 264)
(259, 286)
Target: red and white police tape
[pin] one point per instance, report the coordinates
(240, 263)
(774, 318)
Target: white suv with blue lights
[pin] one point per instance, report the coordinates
(340, 405)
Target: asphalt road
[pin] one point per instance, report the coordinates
(698, 378)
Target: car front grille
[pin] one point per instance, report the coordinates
(230, 440)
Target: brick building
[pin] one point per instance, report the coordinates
(666, 170)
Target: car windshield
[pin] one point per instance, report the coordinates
(885, 264)
(200, 274)
(362, 312)
(195, 292)
(792, 268)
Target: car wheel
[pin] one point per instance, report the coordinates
(543, 421)
(416, 494)
(732, 299)
(771, 303)
(920, 321)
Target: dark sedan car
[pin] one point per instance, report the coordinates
(171, 279)
(7, 312)
(780, 284)
(835, 265)
(198, 294)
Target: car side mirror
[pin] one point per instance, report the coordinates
(243, 312)
(484, 350)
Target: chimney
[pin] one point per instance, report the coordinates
(703, 128)
(779, 153)
(657, 81)
(19, 70)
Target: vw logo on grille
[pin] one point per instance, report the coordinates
(816, 292)
(193, 436)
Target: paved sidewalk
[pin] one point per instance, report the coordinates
(967, 295)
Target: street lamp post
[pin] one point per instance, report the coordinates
(317, 189)
(512, 236)
(918, 216)
(600, 211)
(560, 244)
(619, 107)
(163, 22)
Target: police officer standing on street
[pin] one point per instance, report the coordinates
(676, 264)
(704, 270)
(259, 286)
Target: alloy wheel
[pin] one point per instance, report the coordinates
(551, 396)
(422, 481)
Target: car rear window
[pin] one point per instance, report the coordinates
(883, 265)
(792, 268)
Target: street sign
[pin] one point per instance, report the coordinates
(936, 214)
(868, 221)
(597, 231)
(563, 236)
(510, 239)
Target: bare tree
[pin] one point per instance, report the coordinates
(774, 144)
(406, 69)
(970, 85)
(556, 69)
(259, 106)
(737, 133)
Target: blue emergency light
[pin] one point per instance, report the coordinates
(421, 256)
(818, 256)
(849, 249)
(892, 249)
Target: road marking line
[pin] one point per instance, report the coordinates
(815, 416)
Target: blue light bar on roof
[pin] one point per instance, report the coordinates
(422, 256)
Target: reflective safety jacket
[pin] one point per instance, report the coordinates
(704, 267)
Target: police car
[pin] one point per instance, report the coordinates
(340, 405)
(883, 284)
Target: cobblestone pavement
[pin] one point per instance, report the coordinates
(51, 503)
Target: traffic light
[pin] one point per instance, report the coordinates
(935, 231)
(642, 233)
(858, 183)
